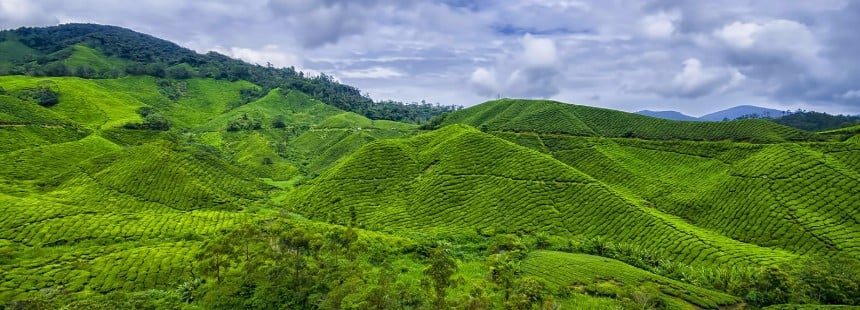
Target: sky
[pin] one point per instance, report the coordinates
(691, 56)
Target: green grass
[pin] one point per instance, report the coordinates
(544, 116)
(610, 277)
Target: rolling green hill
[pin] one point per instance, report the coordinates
(457, 180)
(544, 116)
(760, 194)
(159, 178)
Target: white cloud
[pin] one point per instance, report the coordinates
(371, 73)
(851, 94)
(268, 54)
(660, 25)
(744, 50)
(561, 4)
(532, 72)
(539, 52)
(484, 82)
(16, 13)
(739, 35)
(695, 80)
(772, 37)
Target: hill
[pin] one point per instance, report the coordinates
(457, 180)
(101, 195)
(670, 115)
(555, 117)
(731, 188)
(742, 111)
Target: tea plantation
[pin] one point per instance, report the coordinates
(123, 188)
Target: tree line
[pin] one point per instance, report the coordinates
(147, 55)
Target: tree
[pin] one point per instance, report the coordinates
(178, 72)
(279, 122)
(509, 244)
(771, 288)
(503, 269)
(45, 94)
(155, 69)
(214, 258)
(85, 71)
(442, 267)
(541, 240)
(56, 69)
(477, 300)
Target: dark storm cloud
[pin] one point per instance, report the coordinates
(693, 56)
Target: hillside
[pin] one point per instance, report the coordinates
(101, 51)
(731, 188)
(555, 117)
(459, 180)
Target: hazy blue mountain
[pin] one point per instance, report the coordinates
(673, 115)
(738, 111)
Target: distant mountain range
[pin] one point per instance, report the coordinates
(730, 114)
(672, 115)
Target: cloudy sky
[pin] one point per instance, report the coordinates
(690, 56)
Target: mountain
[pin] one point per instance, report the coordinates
(804, 120)
(207, 186)
(670, 115)
(742, 111)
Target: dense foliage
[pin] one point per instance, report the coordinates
(131, 53)
(816, 121)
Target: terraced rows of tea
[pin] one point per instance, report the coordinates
(608, 275)
(94, 200)
(798, 197)
(133, 205)
(457, 179)
(118, 215)
(98, 268)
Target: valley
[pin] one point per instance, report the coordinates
(122, 189)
